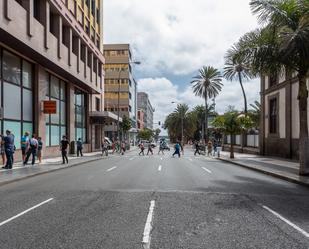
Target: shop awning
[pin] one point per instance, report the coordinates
(104, 117)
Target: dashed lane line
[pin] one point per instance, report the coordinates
(24, 212)
(111, 169)
(148, 226)
(207, 170)
(303, 232)
(160, 168)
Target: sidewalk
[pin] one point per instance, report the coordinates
(20, 172)
(280, 168)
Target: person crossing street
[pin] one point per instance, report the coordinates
(33, 146)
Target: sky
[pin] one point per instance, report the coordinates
(173, 39)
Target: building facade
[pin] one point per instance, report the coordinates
(119, 83)
(144, 104)
(51, 50)
(140, 119)
(279, 131)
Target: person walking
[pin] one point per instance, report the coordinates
(209, 148)
(142, 148)
(105, 148)
(113, 147)
(161, 147)
(177, 149)
(123, 147)
(79, 147)
(24, 144)
(8, 142)
(149, 149)
(197, 148)
(2, 150)
(40, 148)
(33, 146)
(215, 146)
(64, 145)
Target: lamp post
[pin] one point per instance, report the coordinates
(118, 106)
(182, 118)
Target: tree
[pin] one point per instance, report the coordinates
(207, 85)
(199, 112)
(157, 133)
(237, 68)
(126, 125)
(232, 123)
(145, 134)
(283, 42)
(255, 114)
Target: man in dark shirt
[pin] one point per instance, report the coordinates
(64, 149)
(8, 141)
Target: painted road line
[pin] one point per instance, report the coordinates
(207, 170)
(161, 158)
(160, 168)
(303, 232)
(24, 212)
(111, 169)
(132, 158)
(148, 226)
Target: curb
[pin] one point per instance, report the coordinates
(48, 171)
(282, 177)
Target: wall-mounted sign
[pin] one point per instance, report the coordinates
(49, 106)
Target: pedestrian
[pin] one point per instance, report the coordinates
(33, 146)
(177, 149)
(24, 144)
(182, 149)
(149, 149)
(113, 147)
(142, 148)
(105, 148)
(209, 148)
(79, 147)
(64, 145)
(8, 141)
(161, 147)
(197, 148)
(2, 150)
(123, 147)
(40, 148)
(215, 146)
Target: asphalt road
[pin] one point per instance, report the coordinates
(197, 202)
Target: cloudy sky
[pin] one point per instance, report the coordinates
(173, 39)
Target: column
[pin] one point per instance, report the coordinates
(86, 61)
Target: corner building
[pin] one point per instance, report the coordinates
(51, 50)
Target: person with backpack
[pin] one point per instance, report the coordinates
(177, 149)
(79, 147)
(161, 147)
(149, 149)
(40, 148)
(33, 146)
(105, 148)
(142, 148)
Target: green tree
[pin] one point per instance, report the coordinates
(207, 84)
(282, 42)
(199, 112)
(145, 134)
(157, 133)
(255, 114)
(126, 125)
(232, 123)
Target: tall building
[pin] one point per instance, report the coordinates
(119, 83)
(279, 131)
(52, 50)
(144, 104)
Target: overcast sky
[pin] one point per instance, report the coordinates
(173, 39)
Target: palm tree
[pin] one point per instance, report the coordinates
(237, 68)
(207, 85)
(283, 42)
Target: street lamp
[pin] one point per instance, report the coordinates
(118, 106)
(182, 118)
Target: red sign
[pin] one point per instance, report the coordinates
(49, 106)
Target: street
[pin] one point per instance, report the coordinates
(188, 202)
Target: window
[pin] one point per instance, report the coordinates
(80, 116)
(273, 116)
(130, 108)
(97, 104)
(130, 95)
(56, 123)
(98, 16)
(16, 95)
(87, 3)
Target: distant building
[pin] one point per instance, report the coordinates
(279, 131)
(144, 104)
(119, 82)
(140, 119)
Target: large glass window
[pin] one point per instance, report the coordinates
(16, 97)
(273, 116)
(56, 123)
(80, 116)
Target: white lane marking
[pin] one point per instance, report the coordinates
(24, 212)
(190, 159)
(132, 158)
(160, 168)
(161, 158)
(148, 226)
(207, 170)
(111, 169)
(303, 232)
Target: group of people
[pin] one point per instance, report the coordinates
(212, 148)
(162, 146)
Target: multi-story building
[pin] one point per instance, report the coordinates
(140, 119)
(52, 50)
(119, 83)
(144, 104)
(279, 131)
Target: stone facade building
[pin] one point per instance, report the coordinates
(52, 50)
